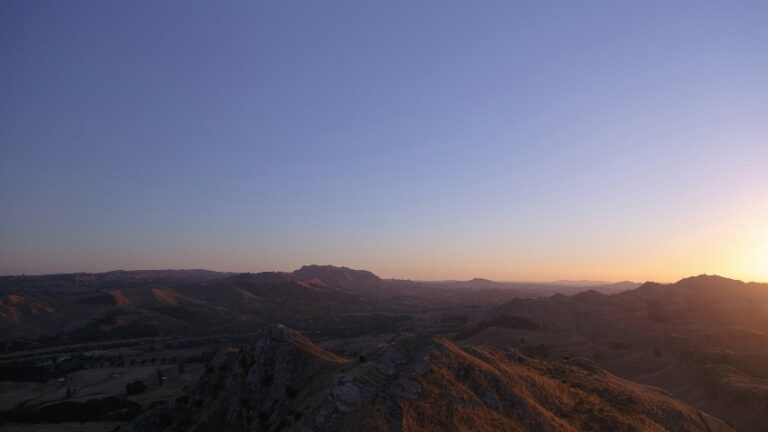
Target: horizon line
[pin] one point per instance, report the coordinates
(558, 281)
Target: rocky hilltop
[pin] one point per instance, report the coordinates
(703, 339)
(283, 382)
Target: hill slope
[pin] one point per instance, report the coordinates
(704, 339)
(281, 381)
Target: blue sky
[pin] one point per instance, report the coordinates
(512, 140)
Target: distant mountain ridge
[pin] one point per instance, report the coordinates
(146, 303)
(343, 277)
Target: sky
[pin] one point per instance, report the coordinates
(426, 140)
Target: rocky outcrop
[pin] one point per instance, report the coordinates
(283, 382)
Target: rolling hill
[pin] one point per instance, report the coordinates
(283, 382)
(703, 339)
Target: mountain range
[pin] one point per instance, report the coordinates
(71, 308)
(368, 353)
(703, 339)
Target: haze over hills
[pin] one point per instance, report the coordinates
(79, 307)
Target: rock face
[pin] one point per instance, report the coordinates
(283, 382)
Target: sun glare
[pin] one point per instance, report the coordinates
(759, 265)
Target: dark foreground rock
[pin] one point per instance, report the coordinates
(283, 382)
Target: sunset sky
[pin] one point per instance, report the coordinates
(430, 140)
